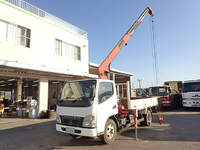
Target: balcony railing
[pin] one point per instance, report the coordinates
(39, 12)
(28, 7)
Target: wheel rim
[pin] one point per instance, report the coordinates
(110, 131)
(149, 119)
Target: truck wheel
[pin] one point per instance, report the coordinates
(109, 132)
(148, 118)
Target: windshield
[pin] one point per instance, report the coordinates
(78, 93)
(191, 87)
(158, 91)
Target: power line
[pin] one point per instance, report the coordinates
(154, 52)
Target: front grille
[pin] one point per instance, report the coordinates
(72, 121)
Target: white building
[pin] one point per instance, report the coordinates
(38, 53)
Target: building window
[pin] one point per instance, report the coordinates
(67, 50)
(23, 36)
(58, 47)
(14, 34)
(77, 53)
(8, 32)
(3, 30)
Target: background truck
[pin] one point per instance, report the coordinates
(92, 107)
(191, 93)
(167, 96)
(176, 85)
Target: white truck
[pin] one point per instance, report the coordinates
(191, 93)
(92, 108)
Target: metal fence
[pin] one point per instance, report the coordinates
(28, 7)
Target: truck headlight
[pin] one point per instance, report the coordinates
(58, 119)
(90, 121)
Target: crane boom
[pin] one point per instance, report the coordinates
(105, 66)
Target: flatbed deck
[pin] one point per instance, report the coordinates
(139, 103)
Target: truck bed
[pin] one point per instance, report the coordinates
(139, 103)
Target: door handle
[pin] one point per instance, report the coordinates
(114, 107)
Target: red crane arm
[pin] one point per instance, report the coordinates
(105, 66)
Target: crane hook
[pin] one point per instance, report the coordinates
(160, 119)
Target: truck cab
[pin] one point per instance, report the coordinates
(79, 104)
(191, 93)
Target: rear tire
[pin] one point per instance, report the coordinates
(148, 118)
(110, 132)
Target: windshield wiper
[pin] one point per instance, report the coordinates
(78, 99)
(66, 98)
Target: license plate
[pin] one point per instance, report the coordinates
(70, 130)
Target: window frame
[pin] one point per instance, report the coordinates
(23, 36)
(68, 50)
(58, 47)
(14, 35)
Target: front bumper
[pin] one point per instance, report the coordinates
(165, 103)
(191, 104)
(77, 130)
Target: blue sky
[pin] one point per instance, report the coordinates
(177, 30)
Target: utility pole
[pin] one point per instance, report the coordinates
(139, 80)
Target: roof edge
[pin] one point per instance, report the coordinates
(96, 65)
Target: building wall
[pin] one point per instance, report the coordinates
(42, 46)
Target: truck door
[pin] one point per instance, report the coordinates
(107, 104)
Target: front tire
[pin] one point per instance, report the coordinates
(110, 132)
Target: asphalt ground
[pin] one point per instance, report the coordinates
(180, 130)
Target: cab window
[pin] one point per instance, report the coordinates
(105, 91)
